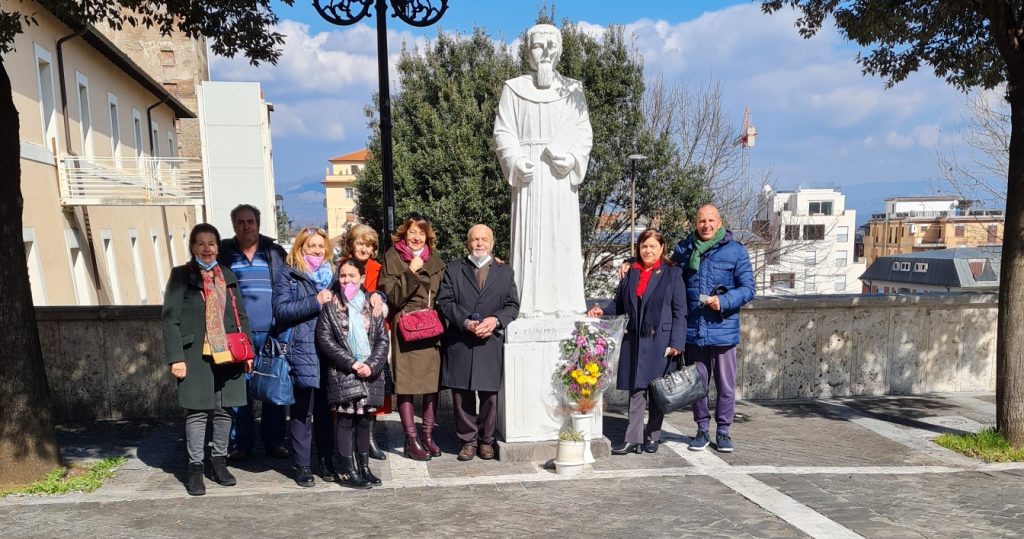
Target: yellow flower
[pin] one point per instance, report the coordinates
(577, 374)
(585, 392)
(592, 380)
(593, 368)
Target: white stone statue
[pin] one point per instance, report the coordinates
(542, 135)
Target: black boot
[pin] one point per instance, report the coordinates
(363, 460)
(220, 473)
(375, 452)
(327, 471)
(349, 475)
(195, 486)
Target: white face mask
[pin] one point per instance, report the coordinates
(480, 261)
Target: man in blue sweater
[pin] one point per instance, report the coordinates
(254, 259)
(719, 281)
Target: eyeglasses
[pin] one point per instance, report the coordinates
(314, 230)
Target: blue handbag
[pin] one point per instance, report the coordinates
(269, 380)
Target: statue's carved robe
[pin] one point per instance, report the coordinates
(537, 124)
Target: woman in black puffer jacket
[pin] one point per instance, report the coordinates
(353, 345)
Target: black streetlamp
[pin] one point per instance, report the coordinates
(419, 13)
(633, 159)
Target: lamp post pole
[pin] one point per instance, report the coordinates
(633, 158)
(419, 13)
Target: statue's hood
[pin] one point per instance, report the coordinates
(561, 88)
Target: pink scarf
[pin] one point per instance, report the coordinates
(406, 253)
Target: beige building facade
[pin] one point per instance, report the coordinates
(340, 184)
(107, 202)
(916, 224)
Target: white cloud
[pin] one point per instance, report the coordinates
(319, 118)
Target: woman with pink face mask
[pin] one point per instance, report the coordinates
(353, 344)
(300, 292)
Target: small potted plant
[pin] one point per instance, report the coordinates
(569, 458)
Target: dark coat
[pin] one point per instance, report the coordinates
(416, 365)
(296, 309)
(184, 321)
(725, 268)
(470, 362)
(332, 344)
(642, 356)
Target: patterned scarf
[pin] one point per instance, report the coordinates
(358, 327)
(406, 253)
(215, 292)
(322, 276)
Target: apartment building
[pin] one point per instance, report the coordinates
(926, 223)
(806, 243)
(961, 269)
(340, 184)
(108, 203)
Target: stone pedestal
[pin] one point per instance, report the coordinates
(527, 405)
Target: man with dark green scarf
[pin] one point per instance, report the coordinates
(719, 280)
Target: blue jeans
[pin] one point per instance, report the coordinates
(272, 423)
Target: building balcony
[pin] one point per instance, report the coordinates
(130, 181)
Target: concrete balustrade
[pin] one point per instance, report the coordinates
(107, 362)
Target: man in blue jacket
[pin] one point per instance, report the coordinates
(719, 281)
(255, 260)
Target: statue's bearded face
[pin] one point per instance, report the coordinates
(544, 51)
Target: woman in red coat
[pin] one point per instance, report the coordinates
(361, 243)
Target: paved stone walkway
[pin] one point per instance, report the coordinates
(834, 468)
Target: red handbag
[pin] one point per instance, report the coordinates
(238, 343)
(420, 324)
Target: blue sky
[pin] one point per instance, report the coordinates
(820, 122)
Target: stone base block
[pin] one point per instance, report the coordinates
(517, 452)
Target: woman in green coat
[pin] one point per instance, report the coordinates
(201, 305)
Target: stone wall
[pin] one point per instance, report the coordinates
(107, 362)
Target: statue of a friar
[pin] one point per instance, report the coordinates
(543, 138)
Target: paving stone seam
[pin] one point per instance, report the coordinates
(917, 439)
(770, 499)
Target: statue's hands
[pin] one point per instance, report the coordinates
(524, 170)
(563, 164)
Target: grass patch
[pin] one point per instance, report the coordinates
(988, 445)
(70, 479)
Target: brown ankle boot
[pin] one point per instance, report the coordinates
(414, 450)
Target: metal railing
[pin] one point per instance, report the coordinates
(130, 181)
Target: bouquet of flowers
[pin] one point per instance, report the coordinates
(589, 359)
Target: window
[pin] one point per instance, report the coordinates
(783, 280)
(176, 260)
(959, 231)
(841, 257)
(809, 285)
(137, 129)
(184, 245)
(79, 272)
(35, 268)
(792, 232)
(814, 232)
(355, 169)
(140, 274)
(904, 266)
(154, 138)
(172, 148)
(839, 285)
(920, 267)
(843, 234)
(820, 207)
(115, 128)
(111, 259)
(158, 257)
(992, 234)
(895, 266)
(84, 114)
(167, 57)
(47, 102)
(810, 258)
(350, 217)
(350, 193)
